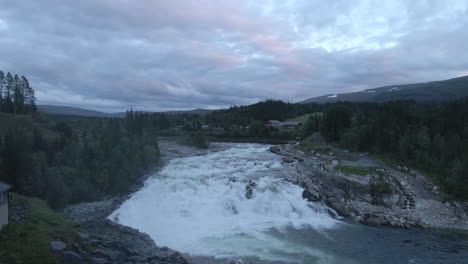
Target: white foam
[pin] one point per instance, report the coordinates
(198, 205)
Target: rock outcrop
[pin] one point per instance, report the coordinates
(112, 242)
(411, 202)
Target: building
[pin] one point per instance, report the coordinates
(279, 124)
(4, 188)
(273, 123)
(291, 124)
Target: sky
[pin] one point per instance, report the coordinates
(154, 55)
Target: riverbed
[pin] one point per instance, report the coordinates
(232, 202)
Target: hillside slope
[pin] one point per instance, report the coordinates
(425, 92)
(76, 111)
(68, 110)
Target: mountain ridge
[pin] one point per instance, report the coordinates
(434, 91)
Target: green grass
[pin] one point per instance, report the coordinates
(303, 118)
(362, 171)
(391, 162)
(29, 242)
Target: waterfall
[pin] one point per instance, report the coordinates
(222, 204)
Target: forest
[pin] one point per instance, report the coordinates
(66, 159)
(430, 137)
(258, 112)
(248, 122)
(86, 160)
(69, 160)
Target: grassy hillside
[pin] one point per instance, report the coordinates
(303, 118)
(28, 241)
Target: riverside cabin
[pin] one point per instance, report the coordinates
(4, 188)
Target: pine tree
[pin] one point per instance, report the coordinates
(18, 96)
(2, 79)
(9, 86)
(28, 93)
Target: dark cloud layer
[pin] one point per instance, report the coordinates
(157, 55)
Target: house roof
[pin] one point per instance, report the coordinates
(274, 121)
(291, 123)
(4, 187)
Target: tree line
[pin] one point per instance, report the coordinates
(248, 122)
(258, 112)
(75, 160)
(16, 95)
(432, 138)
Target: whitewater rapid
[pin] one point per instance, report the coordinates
(198, 205)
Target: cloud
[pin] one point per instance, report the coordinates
(113, 55)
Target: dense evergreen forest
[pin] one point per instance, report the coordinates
(430, 137)
(69, 162)
(248, 122)
(259, 112)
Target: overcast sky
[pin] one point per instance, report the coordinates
(112, 55)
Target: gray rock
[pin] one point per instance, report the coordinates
(106, 253)
(276, 150)
(71, 257)
(288, 160)
(311, 196)
(99, 260)
(83, 236)
(57, 246)
(249, 189)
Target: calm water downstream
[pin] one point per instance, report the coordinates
(203, 206)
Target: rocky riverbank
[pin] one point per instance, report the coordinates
(383, 197)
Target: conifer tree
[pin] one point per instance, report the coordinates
(9, 86)
(18, 96)
(2, 79)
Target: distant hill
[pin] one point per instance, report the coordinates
(75, 111)
(202, 112)
(68, 110)
(425, 92)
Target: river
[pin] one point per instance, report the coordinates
(233, 203)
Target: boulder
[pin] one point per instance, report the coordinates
(276, 150)
(374, 219)
(249, 189)
(57, 246)
(288, 160)
(71, 257)
(311, 197)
